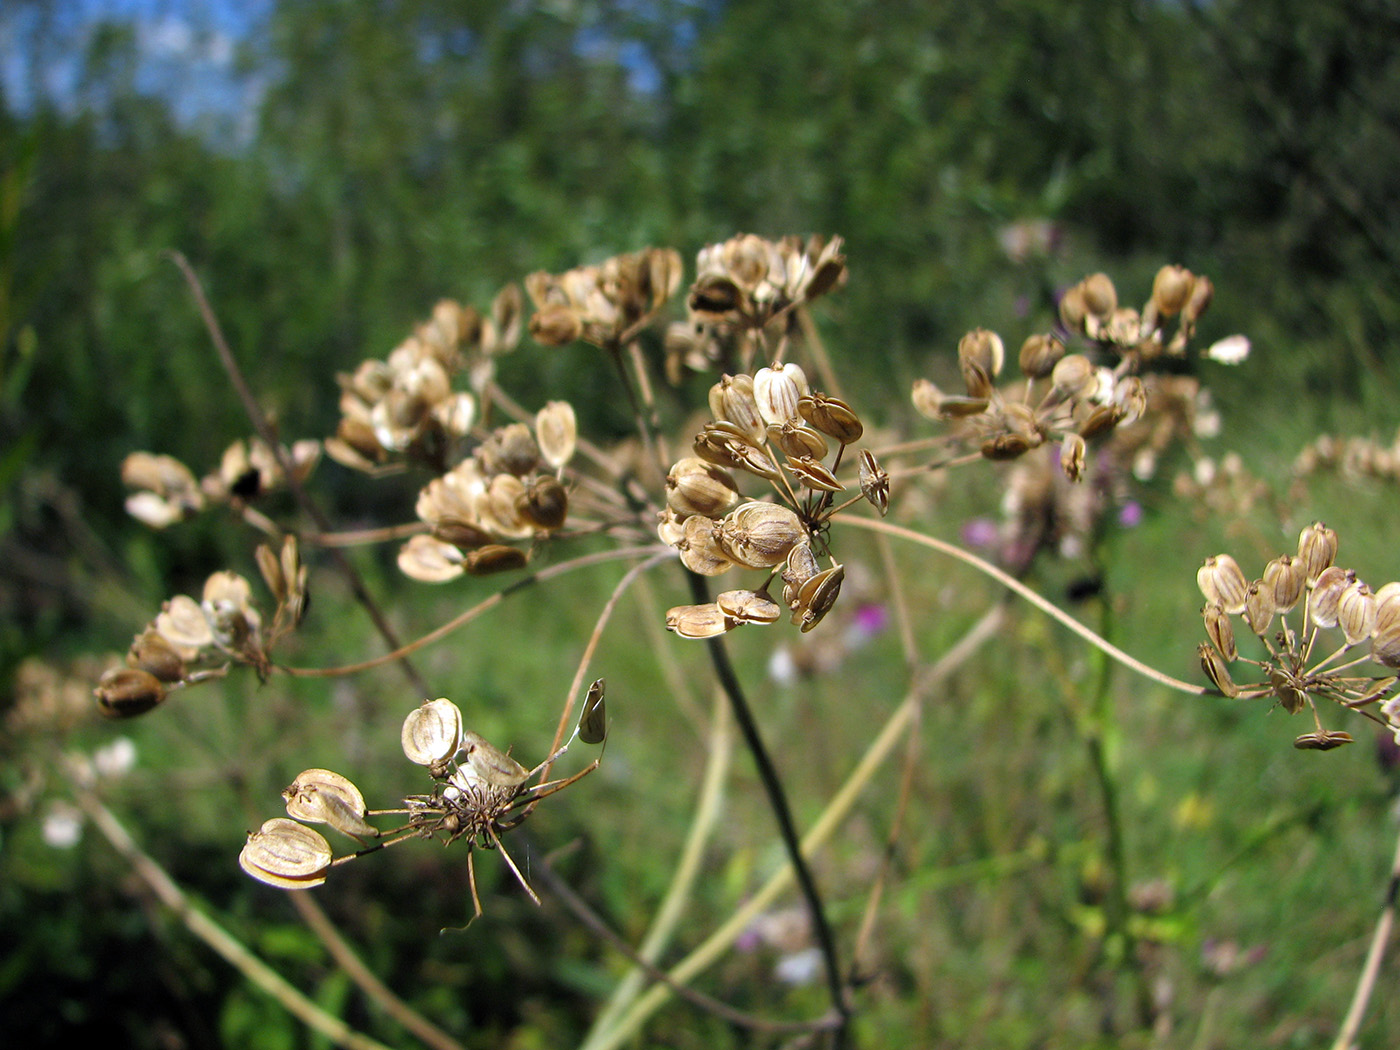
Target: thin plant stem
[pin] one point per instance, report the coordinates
(1370, 971)
(233, 951)
(1022, 591)
(826, 825)
(782, 813)
(298, 490)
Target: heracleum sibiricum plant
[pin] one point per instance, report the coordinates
(765, 492)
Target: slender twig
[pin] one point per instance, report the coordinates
(1043, 604)
(298, 490)
(215, 936)
(782, 813)
(1361, 998)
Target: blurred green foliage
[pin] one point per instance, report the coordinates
(389, 153)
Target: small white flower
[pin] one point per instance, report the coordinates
(116, 758)
(1229, 351)
(63, 825)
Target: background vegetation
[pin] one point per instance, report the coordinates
(353, 162)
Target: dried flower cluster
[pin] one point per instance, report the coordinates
(607, 304)
(508, 490)
(1355, 456)
(479, 793)
(772, 426)
(1294, 670)
(167, 492)
(406, 406)
(190, 641)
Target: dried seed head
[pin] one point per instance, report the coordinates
(832, 416)
(760, 535)
(748, 607)
(432, 732)
(777, 391)
(320, 796)
(874, 482)
(698, 621)
(1356, 612)
(1287, 577)
(1214, 666)
(125, 692)
(556, 433)
(1039, 355)
(1317, 547)
(593, 719)
(1327, 593)
(286, 854)
(1221, 580)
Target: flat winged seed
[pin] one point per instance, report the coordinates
(1356, 612)
(1317, 547)
(795, 439)
(958, 406)
(695, 486)
(1039, 356)
(286, 854)
(699, 546)
(1385, 646)
(1259, 607)
(1221, 580)
(748, 606)
(490, 765)
(556, 432)
(698, 621)
(1072, 456)
(777, 391)
(814, 474)
(432, 732)
(125, 692)
(874, 482)
(1214, 667)
(494, 557)
(1286, 576)
(1324, 740)
(1327, 593)
(545, 503)
(320, 796)
(1219, 631)
(816, 597)
(832, 416)
(593, 720)
(428, 559)
(182, 623)
(150, 651)
(732, 400)
(1285, 688)
(1073, 376)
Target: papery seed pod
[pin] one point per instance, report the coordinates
(1221, 580)
(1072, 377)
(980, 357)
(1100, 297)
(1002, 447)
(814, 474)
(777, 391)
(490, 765)
(510, 449)
(958, 406)
(1073, 450)
(498, 509)
(1214, 667)
(1102, 419)
(270, 566)
(320, 796)
(545, 503)
(182, 623)
(695, 486)
(1123, 328)
(670, 528)
(151, 652)
(1202, 292)
(698, 621)
(799, 567)
(1327, 593)
(1356, 612)
(874, 482)
(1073, 308)
(428, 559)
(125, 692)
(1170, 289)
(1317, 547)
(816, 597)
(593, 719)
(556, 325)
(1385, 644)
(832, 416)
(1285, 688)
(700, 548)
(1039, 355)
(228, 607)
(1129, 395)
(1219, 631)
(493, 558)
(460, 533)
(732, 400)
(927, 399)
(456, 413)
(1287, 577)
(715, 297)
(1387, 607)
(795, 438)
(556, 433)
(759, 535)
(432, 732)
(286, 854)
(744, 606)
(1259, 607)
(1325, 740)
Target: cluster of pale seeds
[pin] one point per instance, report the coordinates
(1297, 668)
(479, 792)
(606, 304)
(166, 491)
(509, 490)
(191, 641)
(406, 406)
(772, 426)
